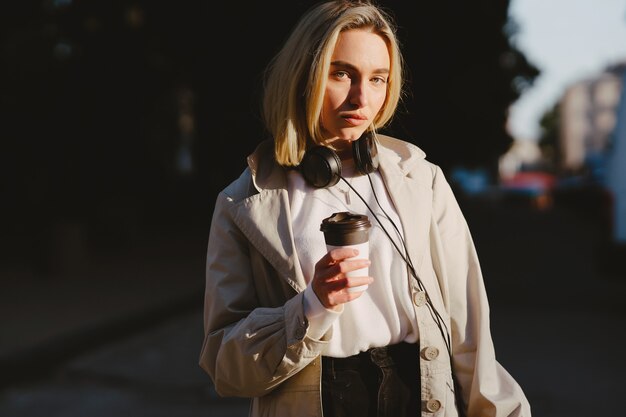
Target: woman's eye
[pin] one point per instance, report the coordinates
(341, 75)
(379, 80)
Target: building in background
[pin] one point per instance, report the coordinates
(592, 139)
(587, 120)
(616, 169)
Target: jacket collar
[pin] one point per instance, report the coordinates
(265, 216)
(266, 173)
(395, 156)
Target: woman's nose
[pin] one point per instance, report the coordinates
(358, 94)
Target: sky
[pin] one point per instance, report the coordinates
(569, 41)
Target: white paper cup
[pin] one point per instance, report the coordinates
(348, 230)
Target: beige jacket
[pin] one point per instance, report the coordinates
(256, 343)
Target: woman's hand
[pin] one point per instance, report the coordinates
(330, 282)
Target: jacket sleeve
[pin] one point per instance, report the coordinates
(248, 349)
(487, 388)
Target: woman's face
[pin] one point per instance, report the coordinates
(356, 88)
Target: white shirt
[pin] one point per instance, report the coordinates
(381, 315)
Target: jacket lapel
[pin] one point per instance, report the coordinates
(266, 221)
(265, 217)
(412, 197)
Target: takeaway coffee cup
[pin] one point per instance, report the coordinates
(345, 229)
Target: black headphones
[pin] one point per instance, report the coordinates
(321, 166)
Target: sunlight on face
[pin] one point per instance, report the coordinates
(357, 86)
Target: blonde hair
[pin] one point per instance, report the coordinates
(295, 79)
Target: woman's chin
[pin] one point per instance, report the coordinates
(350, 137)
(344, 140)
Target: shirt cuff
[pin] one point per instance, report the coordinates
(320, 318)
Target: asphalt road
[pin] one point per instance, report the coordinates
(153, 373)
(556, 317)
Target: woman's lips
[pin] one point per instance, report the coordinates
(355, 120)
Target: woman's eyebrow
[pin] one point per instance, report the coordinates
(347, 65)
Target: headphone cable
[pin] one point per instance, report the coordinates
(441, 324)
(406, 257)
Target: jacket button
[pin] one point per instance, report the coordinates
(430, 353)
(433, 405)
(419, 298)
(300, 332)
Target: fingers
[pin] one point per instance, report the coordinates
(337, 292)
(337, 255)
(334, 277)
(347, 283)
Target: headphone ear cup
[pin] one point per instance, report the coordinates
(365, 153)
(320, 167)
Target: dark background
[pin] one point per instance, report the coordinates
(93, 93)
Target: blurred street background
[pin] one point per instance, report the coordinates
(121, 120)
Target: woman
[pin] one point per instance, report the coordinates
(281, 323)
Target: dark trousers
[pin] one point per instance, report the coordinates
(381, 382)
